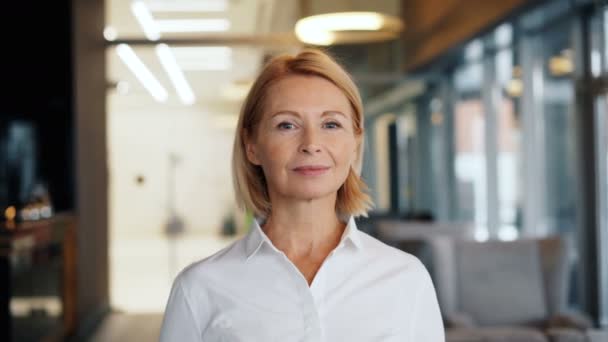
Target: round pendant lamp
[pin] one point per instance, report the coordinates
(348, 28)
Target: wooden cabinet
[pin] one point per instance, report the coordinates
(38, 279)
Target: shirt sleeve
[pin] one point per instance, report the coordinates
(427, 323)
(179, 323)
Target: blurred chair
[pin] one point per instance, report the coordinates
(415, 237)
(393, 230)
(505, 290)
(371, 223)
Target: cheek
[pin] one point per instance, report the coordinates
(274, 156)
(344, 151)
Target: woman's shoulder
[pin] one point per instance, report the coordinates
(214, 265)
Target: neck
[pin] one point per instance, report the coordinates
(304, 229)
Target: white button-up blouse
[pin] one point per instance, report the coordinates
(250, 291)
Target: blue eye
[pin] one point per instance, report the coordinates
(285, 125)
(332, 125)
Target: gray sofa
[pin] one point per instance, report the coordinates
(505, 291)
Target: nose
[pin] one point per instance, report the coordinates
(310, 142)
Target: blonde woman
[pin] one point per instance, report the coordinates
(304, 272)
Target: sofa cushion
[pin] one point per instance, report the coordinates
(500, 283)
(566, 335)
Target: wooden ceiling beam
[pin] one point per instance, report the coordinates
(434, 26)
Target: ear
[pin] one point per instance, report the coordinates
(354, 163)
(251, 150)
(358, 144)
(252, 155)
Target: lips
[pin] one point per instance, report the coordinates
(311, 170)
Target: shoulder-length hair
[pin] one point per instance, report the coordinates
(249, 182)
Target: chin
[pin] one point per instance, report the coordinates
(311, 194)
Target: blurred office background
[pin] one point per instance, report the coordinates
(486, 154)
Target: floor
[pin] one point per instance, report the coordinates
(129, 327)
(142, 270)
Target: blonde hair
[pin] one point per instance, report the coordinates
(249, 182)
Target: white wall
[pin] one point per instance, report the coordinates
(141, 140)
(142, 135)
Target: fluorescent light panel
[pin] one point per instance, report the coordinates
(205, 65)
(203, 51)
(145, 19)
(143, 74)
(193, 25)
(184, 91)
(203, 57)
(188, 6)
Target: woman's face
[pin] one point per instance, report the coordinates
(305, 140)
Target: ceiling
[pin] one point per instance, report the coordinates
(215, 90)
(260, 28)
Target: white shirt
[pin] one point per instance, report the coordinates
(250, 291)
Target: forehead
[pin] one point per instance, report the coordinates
(306, 93)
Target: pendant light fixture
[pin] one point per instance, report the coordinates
(348, 28)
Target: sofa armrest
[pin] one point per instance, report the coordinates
(459, 320)
(565, 335)
(570, 319)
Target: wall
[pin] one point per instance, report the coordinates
(89, 83)
(142, 140)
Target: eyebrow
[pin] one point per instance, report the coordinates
(325, 113)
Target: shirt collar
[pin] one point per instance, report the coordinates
(256, 237)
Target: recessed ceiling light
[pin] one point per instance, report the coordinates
(110, 34)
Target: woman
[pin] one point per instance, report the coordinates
(304, 272)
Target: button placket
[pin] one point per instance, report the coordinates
(309, 314)
(312, 297)
(318, 288)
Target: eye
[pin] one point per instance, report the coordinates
(286, 126)
(332, 125)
